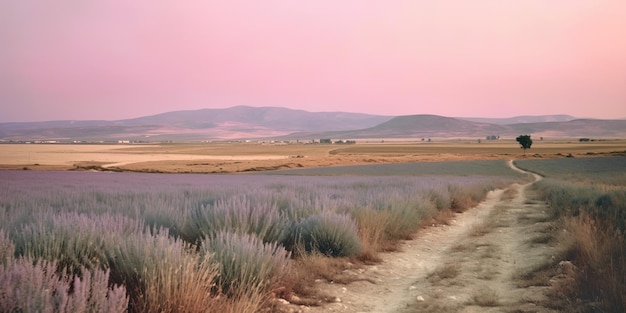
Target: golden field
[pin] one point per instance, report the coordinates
(242, 157)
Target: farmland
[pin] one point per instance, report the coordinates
(126, 235)
(151, 242)
(224, 157)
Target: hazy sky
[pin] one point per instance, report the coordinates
(114, 59)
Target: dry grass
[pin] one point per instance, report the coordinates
(600, 254)
(541, 239)
(188, 286)
(488, 251)
(488, 274)
(462, 248)
(486, 297)
(444, 271)
(428, 307)
(510, 193)
(480, 230)
(372, 225)
(494, 220)
(538, 275)
(299, 287)
(443, 217)
(595, 272)
(237, 157)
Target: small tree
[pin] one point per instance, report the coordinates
(524, 141)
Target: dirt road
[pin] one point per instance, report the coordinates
(471, 265)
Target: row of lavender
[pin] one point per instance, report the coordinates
(150, 242)
(588, 195)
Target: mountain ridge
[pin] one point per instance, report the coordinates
(245, 122)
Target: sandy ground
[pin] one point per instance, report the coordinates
(471, 265)
(243, 157)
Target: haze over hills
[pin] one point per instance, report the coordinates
(205, 124)
(433, 126)
(244, 122)
(521, 119)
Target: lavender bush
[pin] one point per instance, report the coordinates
(245, 262)
(29, 286)
(161, 273)
(237, 214)
(329, 233)
(74, 240)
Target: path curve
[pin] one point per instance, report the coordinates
(470, 265)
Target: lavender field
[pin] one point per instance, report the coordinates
(588, 196)
(117, 242)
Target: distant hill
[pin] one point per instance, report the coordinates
(592, 128)
(244, 122)
(274, 118)
(205, 124)
(416, 126)
(521, 119)
(427, 126)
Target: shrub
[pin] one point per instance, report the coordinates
(246, 263)
(329, 233)
(74, 240)
(440, 198)
(600, 254)
(162, 274)
(237, 214)
(36, 287)
(7, 248)
(588, 194)
(185, 286)
(372, 225)
(406, 216)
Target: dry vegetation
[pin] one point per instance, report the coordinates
(247, 157)
(377, 229)
(228, 243)
(588, 197)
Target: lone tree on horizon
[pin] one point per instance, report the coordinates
(525, 142)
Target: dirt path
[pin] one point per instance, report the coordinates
(471, 265)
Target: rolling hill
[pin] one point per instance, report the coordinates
(433, 126)
(205, 124)
(521, 119)
(243, 122)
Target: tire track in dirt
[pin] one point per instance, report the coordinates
(471, 265)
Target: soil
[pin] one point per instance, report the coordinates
(246, 157)
(474, 264)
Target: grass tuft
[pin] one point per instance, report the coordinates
(329, 233)
(486, 297)
(445, 271)
(7, 248)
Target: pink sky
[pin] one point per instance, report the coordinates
(119, 59)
